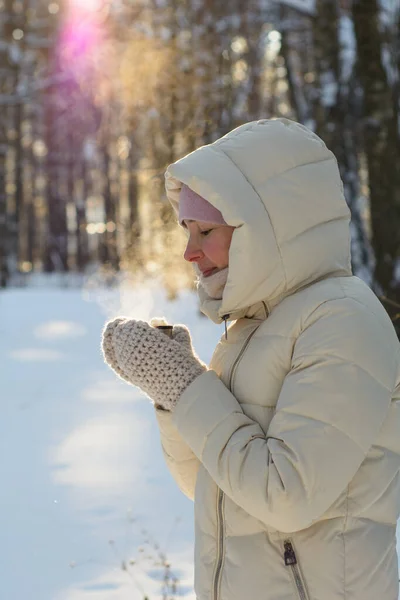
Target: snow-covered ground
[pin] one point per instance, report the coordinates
(84, 488)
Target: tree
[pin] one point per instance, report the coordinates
(382, 147)
(336, 116)
(8, 256)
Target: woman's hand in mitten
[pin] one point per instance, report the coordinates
(145, 357)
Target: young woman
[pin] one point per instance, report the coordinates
(289, 442)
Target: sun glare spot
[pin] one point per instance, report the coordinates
(53, 8)
(18, 34)
(86, 5)
(82, 34)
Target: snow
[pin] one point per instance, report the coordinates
(329, 89)
(84, 483)
(347, 46)
(307, 6)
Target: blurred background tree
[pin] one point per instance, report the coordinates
(98, 97)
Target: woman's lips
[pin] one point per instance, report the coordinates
(208, 272)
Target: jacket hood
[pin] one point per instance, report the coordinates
(279, 185)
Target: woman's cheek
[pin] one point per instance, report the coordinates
(211, 248)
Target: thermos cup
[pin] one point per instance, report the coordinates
(167, 329)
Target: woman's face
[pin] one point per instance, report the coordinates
(208, 246)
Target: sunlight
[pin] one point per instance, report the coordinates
(86, 5)
(95, 454)
(82, 36)
(59, 330)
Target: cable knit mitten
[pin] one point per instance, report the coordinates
(145, 357)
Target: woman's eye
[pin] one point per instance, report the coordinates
(206, 231)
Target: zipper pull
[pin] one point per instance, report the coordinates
(225, 318)
(290, 556)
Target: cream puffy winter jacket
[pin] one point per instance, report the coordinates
(290, 444)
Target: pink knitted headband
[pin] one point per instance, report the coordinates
(196, 208)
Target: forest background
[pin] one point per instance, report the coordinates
(99, 96)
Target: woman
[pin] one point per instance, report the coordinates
(289, 441)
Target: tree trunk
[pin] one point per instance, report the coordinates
(133, 189)
(56, 258)
(252, 24)
(295, 29)
(8, 243)
(82, 248)
(334, 119)
(382, 148)
(109, 252)
(4, 234)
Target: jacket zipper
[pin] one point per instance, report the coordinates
(291, 561)
(220, 547)
(220, 496)
(242, 351)
(226, 317)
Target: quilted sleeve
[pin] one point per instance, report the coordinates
(331, 407)
(181, 462)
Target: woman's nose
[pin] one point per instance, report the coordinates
(193, 253)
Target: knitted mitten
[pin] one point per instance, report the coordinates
(145, 357)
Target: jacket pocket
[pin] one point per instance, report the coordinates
(292, 563)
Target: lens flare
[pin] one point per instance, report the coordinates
(82, 34)
(86, 5)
